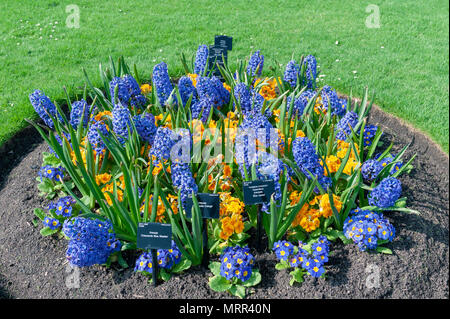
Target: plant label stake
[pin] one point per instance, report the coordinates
(154, 236)
(259, 226)
(256, 193)
(154, 266)
(209, 205)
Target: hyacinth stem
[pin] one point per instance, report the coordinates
(154, 267)
(205, 258)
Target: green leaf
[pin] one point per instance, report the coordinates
(238, 291)
(215, 268)
(384, 250)
(45, 186)
(164, 274)
(296, 276)
(282, 265)
(401, 203)
(181, 266)
(254, 279)
(407, 167)
(46, 231)
(39, 213)
(292, 281)
(121, 261)
(333, 234)
(128, 246)
(50, 159)
(219, 284)
(333, 208)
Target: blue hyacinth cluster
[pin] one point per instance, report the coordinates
(94, 137)
(308, 161)
(161, 82)
(245, 150)
(367, 228)
(63, 206)
(187, 89)
(183, 180)
(252, 130)
(343, 106)
(162, 144)
(221, 91)
(184, 144)
(243, 96)
(310, 64)
(166, 258)
(236, 262)
(386, 193)
(251, 102)
(330, 100)
(145, 127)
(212, 89)
(133, 86)
(300, 103)
(263, 129)
(343, 129)
(128, 91)
(255, 64)
(91, 241)
(271, 167)
(51, 223)
(370, 169)
(137, 98)
(203, 108)
(123, 93)
(201, 59)
(291, 73)
(44, 107)
(312, 262)
(369, 134)
(50, 172)
(197, 107)
(79, 109)
(121, 120)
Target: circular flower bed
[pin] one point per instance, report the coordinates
(133, 152)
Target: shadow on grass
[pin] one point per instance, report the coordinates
(14, 150)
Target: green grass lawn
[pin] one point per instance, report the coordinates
(406, 60)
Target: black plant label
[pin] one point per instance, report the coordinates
(224, 41)
(209, 205)
(154, 236)
(258, 192)
(217, 55)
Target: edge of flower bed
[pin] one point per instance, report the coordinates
(28, 140)
(396, 124)
(419, 138)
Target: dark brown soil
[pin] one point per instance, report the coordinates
(35, 267)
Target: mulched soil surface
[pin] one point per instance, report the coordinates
(35, 267)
